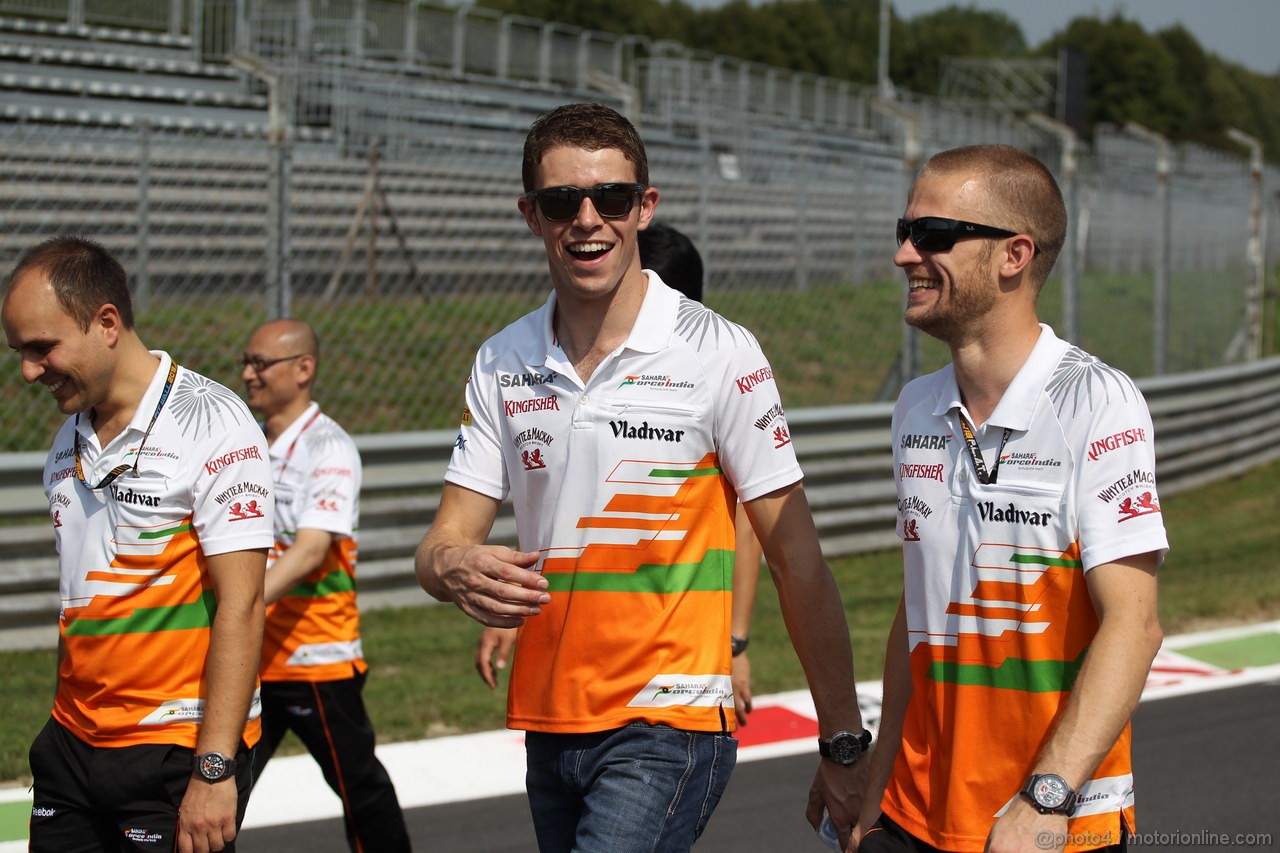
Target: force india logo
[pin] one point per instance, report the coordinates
(654, 380)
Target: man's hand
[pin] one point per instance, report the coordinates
(741, 687)
(207, 816)
(1023, 828)
(493, 650)
(493, 584)
(839, 789)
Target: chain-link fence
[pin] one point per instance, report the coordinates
(386, 215)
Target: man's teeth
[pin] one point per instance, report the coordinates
(922, 285)
(53, 389)
(586, 248)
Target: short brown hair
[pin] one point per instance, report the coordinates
(593, 127)
(84, 277)
(1021, 195)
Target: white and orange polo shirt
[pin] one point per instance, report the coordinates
(999, 615)
(137, 598)
(626, 486)
(313, 630)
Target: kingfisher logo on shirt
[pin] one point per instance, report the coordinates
(911, 471)
(624, 429)
(747, 384)
(1115, 441)
(216, 464)
(534, 404)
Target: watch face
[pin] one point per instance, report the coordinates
(212, 765)
(845, 748)
(1050, 791)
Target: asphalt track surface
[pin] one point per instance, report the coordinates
(1207, 765)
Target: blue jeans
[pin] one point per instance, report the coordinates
(637, 789)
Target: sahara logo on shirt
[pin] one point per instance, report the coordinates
(521, 380)
(922, 441)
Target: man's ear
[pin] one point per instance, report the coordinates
(648, 206)
(530, 212)
(1019, 252)
(109, 322)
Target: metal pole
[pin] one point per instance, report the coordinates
(882, 61)
(1071, 263)
(1257, 266)
(1164, 244)
(142, 273)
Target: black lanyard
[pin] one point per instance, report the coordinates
(975, 452)
(120, 469)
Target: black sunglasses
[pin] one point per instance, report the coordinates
(260, 364)
(561, 204)
(939, 234)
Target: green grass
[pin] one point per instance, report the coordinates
(397, 363)
(1221, 570)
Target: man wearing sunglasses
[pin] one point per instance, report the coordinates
(161, 505)
(1031, 535)
(313, 668)
(622, 421)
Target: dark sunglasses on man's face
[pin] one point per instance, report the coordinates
(939, 234)
(561, 204)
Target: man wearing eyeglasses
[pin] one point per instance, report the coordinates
(1031, 532)
(622, 420)
(160, 498)
(313, 668)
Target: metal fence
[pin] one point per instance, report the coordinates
(378, 200)
(1209, 426)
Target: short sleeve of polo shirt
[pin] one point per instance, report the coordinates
(477, 462)
(331, 473)
(754, 441)
(228, 510)
(1119, 506)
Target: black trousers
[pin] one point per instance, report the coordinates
(329, 717)
(885, 836)
(89, 799)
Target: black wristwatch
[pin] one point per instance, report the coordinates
(214, 767)
(738, 645)
(1050, 794)
(845, 747)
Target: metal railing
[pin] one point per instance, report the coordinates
(1209, 425)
